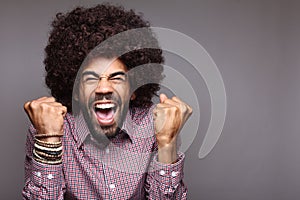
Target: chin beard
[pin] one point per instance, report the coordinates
(102, 134)
(107, 131)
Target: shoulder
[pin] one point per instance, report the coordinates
(142, 115)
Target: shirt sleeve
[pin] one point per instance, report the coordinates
(165, 181)
(42, 181)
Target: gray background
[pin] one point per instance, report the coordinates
(254, 43)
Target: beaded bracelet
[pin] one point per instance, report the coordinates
(48, 161)
(53, 153)
(48, 144)
(46, 156)
(47, 148)
(35, 155)
(38, 156)
(48, 152)
(49, 135)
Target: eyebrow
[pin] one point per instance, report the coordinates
(109, 76)
(116, 74)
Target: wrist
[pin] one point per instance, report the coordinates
(167, 154)
(49, 137)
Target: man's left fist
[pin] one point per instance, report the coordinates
(170, 116)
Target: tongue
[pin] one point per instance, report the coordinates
(105, 116)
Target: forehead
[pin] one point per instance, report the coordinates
(105, 66)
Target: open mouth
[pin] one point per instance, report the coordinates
(105, 113)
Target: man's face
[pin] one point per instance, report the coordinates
(104, 96)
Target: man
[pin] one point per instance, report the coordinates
(111, 142)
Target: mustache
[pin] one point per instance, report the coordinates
(109, 96)
(106, 96)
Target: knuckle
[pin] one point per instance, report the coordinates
(56, 103)
(51, 98)
(183, 107)
(189, 108)
(169, 101)
(58, 109)
(174, 109)
(26, 105)
(44, 105)
(33, 104)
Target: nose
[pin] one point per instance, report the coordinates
(104, 85)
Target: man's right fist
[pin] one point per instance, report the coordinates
(47, 116)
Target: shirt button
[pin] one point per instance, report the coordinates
(107, 150)
(50, 176)
(162, 172)
(39, 174)
(112, 186)
(174, 174)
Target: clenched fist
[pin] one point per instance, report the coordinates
(170, 116)
(47, 116)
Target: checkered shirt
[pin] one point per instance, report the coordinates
(125, 169)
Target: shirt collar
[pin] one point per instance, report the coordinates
(82, 130)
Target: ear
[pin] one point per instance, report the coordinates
(133, 96)
(75, 96)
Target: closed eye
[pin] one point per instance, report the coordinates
(118, 76)
(91, 79)
(89, 76)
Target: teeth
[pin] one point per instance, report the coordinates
(105, 105)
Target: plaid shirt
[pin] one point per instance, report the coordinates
(125, 169)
